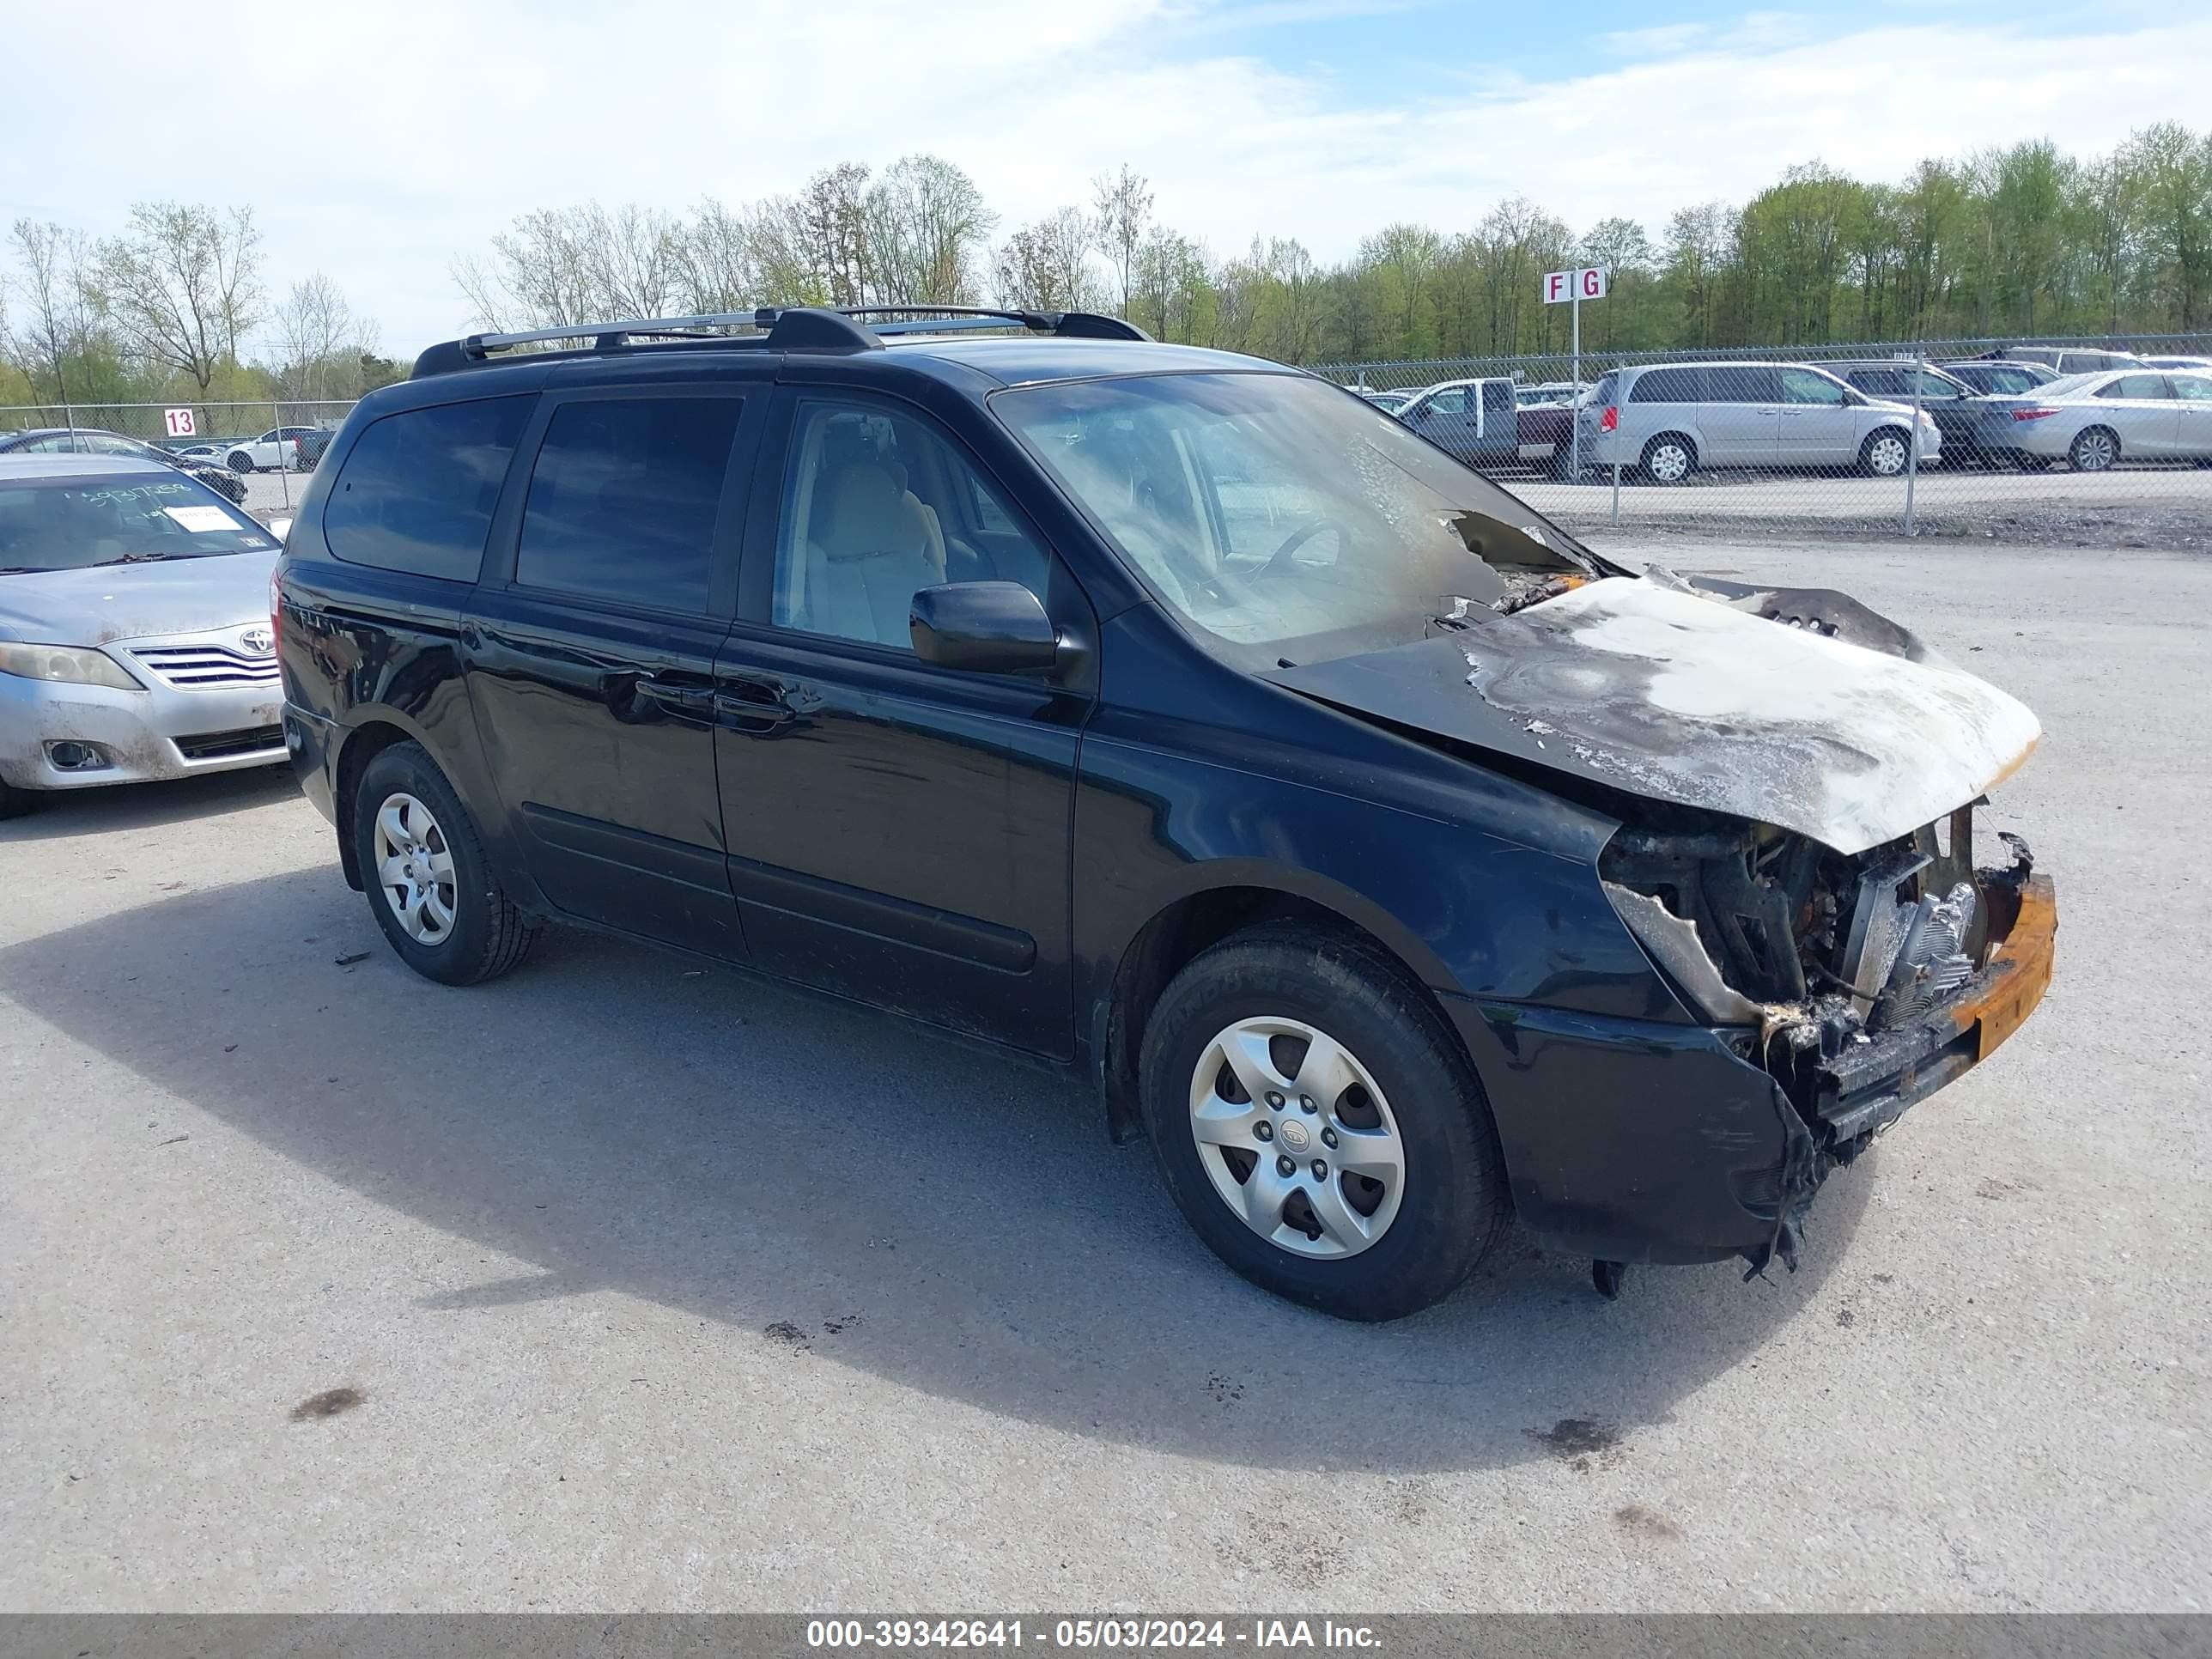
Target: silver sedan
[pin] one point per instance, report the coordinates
(2096, 421)
(134, 636)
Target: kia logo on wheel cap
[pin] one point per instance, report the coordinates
(1294, 1135)
(258, 642)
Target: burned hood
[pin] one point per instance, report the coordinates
(1696, 698)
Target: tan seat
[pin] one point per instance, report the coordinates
(876, 545)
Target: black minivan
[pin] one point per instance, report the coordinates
(1393, 862)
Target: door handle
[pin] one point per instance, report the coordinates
(677, 698)
(754, 706)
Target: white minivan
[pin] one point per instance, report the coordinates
(1667, 420)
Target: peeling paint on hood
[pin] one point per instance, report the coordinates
(1659, 692)
(107, 602)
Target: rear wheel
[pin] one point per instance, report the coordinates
(1670, 459)
(13, 800)
(431, 885)
(1318, 1126)
(1884, 454)
(239, 461)
(2094, 449)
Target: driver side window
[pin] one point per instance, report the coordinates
(1803, 385)
(877, 505)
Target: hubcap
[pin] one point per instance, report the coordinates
(415, 869)
(1669, 463)
(1324, 1184)
(1888, 455)
(2093, 454)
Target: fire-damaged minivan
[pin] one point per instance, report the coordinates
(1393, 862)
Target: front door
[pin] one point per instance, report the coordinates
(1447, 419)
(898, 833)
(591, 644)
(1819, 424)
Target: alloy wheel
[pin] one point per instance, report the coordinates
(2093, 452)
(1297, 1137)
(415, 869)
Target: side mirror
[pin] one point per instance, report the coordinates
(983, 628)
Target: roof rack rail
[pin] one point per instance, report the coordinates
(788, 328)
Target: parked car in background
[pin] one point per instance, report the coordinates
(1390, 402)
(1399, 867)
(2196, 365)
(1669, 420)
(1954, 405)
(281, 448)
(1548, 392)
(2093, 421)
(94, 440)
(135, 641)
(2066, 359)
(1472, 420)
(1987, 375)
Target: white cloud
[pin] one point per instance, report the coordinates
(376, 151)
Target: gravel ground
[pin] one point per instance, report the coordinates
(623, 1284)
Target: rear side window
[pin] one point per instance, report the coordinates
(2134, 386)
(624, 497)
(416, 492)
(1743, 383)
(1670, 386)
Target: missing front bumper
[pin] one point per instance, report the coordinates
(1850, 1095)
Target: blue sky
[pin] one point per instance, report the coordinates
(377, 144)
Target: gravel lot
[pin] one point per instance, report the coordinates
(657, 1288)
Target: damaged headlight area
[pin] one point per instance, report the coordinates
(1862, 983)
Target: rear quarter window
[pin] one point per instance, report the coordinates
(417, 490)
(1668, 385)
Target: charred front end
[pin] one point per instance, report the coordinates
(1857, 983)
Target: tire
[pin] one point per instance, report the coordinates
(239, 461)
(1420, 1234)
(2094, 449)
(485, 933)
(14, 801)
(1886, 452)
(1668, 458)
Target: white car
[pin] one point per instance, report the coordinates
(2095, 421)
(2194, 365)
(280, 449)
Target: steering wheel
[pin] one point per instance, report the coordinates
(1280, 558)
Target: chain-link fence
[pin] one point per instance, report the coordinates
(263, 450)
(2105, 441)
(2068, 442)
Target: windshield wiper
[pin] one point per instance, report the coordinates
(136, 558)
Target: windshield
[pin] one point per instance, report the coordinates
(117, 518)
(1272, 511)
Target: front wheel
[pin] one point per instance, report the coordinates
(431, 885)
(1884, 454)
(240, 462)
(13, 800)
(1318, 1126)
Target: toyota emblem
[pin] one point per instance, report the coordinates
(257, 642)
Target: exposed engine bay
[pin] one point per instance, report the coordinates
(1870, 979)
